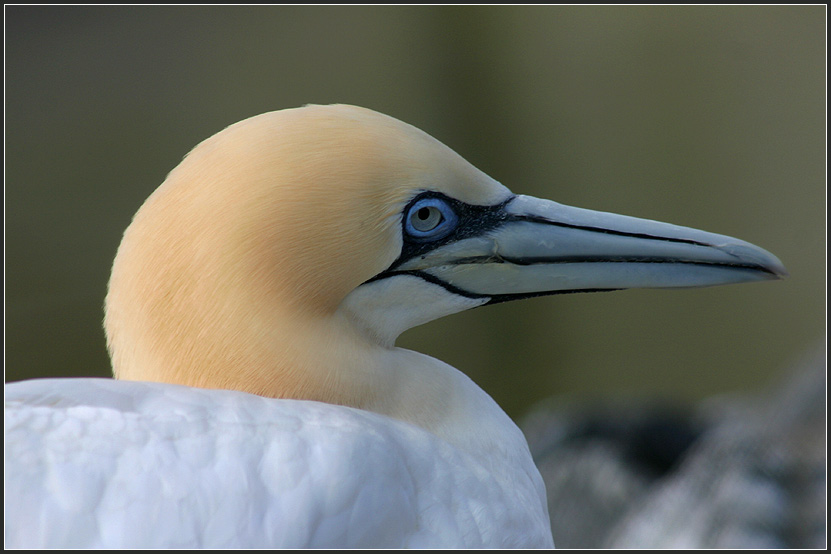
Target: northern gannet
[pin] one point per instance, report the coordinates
(279, 261)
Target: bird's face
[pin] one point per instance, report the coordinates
(328, 213)
(460, 240)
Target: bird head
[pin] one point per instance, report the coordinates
(293, 233)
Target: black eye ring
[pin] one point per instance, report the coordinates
(429, 218)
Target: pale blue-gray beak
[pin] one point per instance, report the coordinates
(529, 247)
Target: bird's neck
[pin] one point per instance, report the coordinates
(439, 398)
(348, 367)
(281, 352)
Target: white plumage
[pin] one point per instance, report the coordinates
(149, 465)
(280, 261)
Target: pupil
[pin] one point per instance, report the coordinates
(423, 214)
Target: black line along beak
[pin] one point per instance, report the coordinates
(542, 247)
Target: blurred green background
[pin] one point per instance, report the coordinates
(710, 117)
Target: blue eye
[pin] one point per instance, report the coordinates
(429, 219)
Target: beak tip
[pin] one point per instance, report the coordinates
(759, 257)
(780, 272)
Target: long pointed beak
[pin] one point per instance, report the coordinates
(542, 247)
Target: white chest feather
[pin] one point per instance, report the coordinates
(114, 464)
